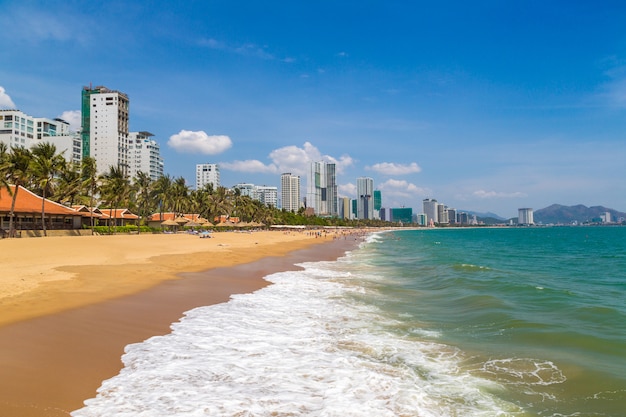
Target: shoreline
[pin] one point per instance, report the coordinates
(55, 360)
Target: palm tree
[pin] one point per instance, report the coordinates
(89, 174)
(46, 164)
(115, 190)
(142, 186)
(161, 192)
(180, 196)
(16, 171)
(68, 185)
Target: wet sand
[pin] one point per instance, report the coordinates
(54, 360)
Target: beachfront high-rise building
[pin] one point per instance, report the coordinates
(144, 155)
(290, 192)
(525, 217)
(104, 115)
(19, 129)
(378, 203)
(265, 194)
(442, 214)
(345, 207)
(429, 206)
(365, 198)
(207, 174)
(322, 188)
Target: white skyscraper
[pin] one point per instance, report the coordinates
(430, 208)
(207, 174)
(322, 188)
(105, 128)
(365, 198)
(144, 155)
(525, 216)
(290, 191)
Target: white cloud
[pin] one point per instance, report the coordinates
(296, 160)
(199, 142)
(391, 168)
(251, 165)
(73, 117)
(5, 100)
(497, 194)
(402, 188)
(347, 190)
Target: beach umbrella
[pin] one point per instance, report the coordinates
(169, 223)
(181, 220)
(193, 224)
(207, 224)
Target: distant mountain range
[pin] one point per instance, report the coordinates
(556, 214)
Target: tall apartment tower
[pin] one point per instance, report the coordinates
(430, 208)
(207, 174)
(322, 188)
(365, 198)
(144, 155)
(525, 216)
(290, 191)
(104, 132)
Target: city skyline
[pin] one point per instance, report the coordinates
(488, 107)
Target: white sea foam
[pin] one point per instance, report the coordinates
(299, 347)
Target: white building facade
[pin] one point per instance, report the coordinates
(365, 198)
(430, 208)
(322, 188)
(19, 129)
(144, 155)
(105, 128)
(207, 174)
(290, 191)
(525, 216)
(265, 194)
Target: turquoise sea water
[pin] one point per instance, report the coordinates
(437, 322)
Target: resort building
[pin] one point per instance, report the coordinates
(19, 129)
(27, 212)
(365, 198)
(104, 115)
(265, 194)
(290, 192)
(322, 188)
(525, 217)
(145, 155)
(207, 174)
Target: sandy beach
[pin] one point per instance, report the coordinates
(69, 305)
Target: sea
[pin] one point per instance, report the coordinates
(527, 321)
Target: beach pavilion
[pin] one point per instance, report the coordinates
(28, 212)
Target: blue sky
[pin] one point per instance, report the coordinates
(485, 106)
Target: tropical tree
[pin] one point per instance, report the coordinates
(68, 185)
(89, 175)
(46, 164)
(161, 192)
(16, 170)
(180, 196)
(142, 187)
(115, 191)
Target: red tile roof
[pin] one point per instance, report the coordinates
(30, 203)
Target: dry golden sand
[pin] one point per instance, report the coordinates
(47, 275)
(69, 305)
